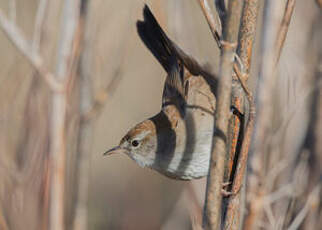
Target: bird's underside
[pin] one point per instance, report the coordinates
(188, 105)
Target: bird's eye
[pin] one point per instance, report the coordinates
(135, 143)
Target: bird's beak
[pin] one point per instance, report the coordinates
(114, 150)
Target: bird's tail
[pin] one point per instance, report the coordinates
(156, 40)
(165, 50)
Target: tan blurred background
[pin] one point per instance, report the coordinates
(121, 194)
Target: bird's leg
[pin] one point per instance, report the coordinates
(225, 193)
(225, 184)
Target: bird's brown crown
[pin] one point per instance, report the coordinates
(146, 127)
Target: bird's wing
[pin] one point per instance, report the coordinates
(173, 91)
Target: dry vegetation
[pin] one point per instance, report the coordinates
(74, 77)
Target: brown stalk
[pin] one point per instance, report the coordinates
(282, 32)
(39, 22)
(247, 35)
(80, 221)
(219, 150)
(265, 112)
(246, 41)
(232, 220)
(58, 115)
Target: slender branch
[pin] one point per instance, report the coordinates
(58, 116)
(219, 150)
(312, 200)
(282, 32)
(16, 37)
(85, 134)
(213, 23)
(42, 6)
(265, 110)
(247, 35)
(246, 40)
(232, 222)
(101, 97)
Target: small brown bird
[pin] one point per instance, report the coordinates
(177, 141)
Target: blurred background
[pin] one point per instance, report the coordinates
(113, 82)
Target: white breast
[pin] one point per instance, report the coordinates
(193, 148)
(193, 164)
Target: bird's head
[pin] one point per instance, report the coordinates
(140, 144)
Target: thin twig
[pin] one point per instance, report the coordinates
(242, 161)
(42, 6)
(84, 143)
(247, 35)
(101, 97)
(285, 190)
(312, 200)
(282, 32)
(69, 24)
(18, 40)
(241, 78)
(214, 24)
(270, 216)
(265, 110)
(219, 150)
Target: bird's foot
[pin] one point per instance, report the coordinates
(226, 193)
(225, 184)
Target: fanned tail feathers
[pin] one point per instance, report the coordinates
(165, 50)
